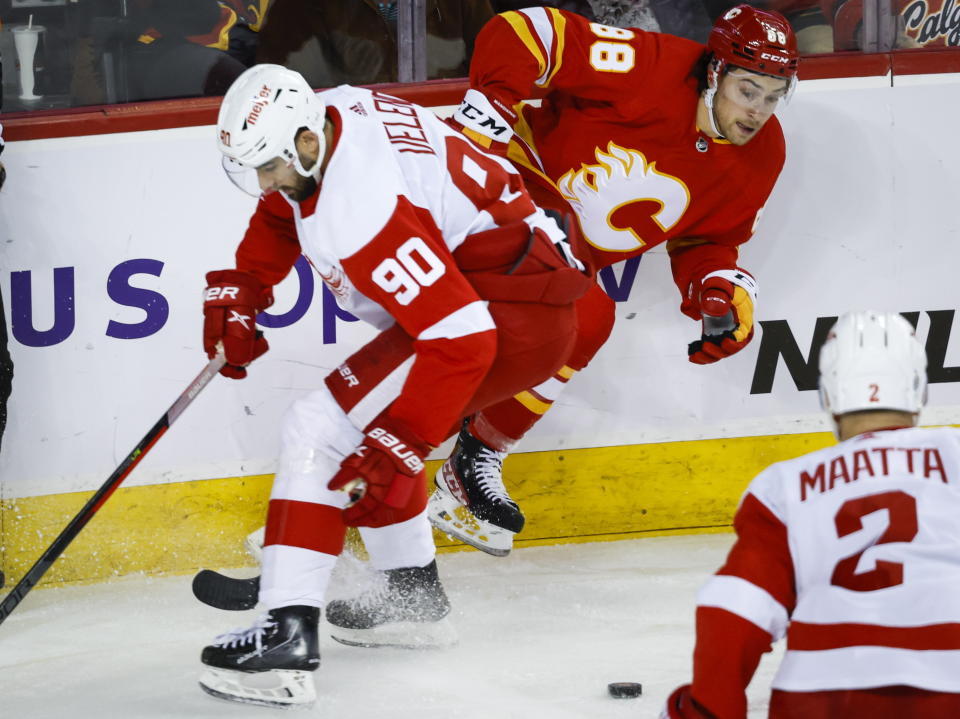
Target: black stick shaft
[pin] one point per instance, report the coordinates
(46, 560)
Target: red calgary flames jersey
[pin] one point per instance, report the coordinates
(617, 138)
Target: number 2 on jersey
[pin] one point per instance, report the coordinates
(902, 527)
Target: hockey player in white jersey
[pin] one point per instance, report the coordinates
(439, 246)
(851, 553)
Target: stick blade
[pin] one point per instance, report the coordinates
(223, 592)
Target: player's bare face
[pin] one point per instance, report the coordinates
(745, 101)
(279, 176)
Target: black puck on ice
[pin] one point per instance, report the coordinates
(625, 690)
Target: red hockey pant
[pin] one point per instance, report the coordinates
(501, 425)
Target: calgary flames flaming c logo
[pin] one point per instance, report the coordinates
(621, 177)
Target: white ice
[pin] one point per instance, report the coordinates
(542, 633)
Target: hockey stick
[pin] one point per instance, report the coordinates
(40, 567)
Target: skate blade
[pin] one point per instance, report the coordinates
(401, 635)
(276, 688)
(456, 521)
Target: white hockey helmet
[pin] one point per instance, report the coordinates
(872, 360)
(259, 119)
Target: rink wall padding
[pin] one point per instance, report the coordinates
(102, 291)
(579, 495)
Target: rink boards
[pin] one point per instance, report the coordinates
(102, 293)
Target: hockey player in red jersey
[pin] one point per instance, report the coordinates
(852, 553)
(648, 139)
(438, 245)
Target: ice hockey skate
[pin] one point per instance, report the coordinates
(407, 608)
(268, 664)
(470, 502)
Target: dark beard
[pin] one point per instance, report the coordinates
(305, 189)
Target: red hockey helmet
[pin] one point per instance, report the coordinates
(756, 40)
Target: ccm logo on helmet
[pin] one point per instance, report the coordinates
(407, 456)
(775, 58)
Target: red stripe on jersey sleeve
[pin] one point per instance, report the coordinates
(502, 66)
(761, 554)
(819, 637)
(727, 654)
(318, 527)
(270, 246)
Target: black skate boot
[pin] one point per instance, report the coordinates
(470, 502)
(407, 609)
(269, 663)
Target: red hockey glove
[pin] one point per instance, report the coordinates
(727, 299)
(479, 119)
(381, 474)
(681, 705)
(230, 306)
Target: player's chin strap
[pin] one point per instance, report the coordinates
(714, 71)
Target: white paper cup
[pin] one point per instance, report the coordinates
(26, 39)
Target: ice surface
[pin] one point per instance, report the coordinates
(542, 633)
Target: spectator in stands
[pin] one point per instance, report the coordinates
(355, 41)
(179, 52)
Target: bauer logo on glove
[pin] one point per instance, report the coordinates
(727, 301)
(383, 475)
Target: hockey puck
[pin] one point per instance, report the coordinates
(625, 690)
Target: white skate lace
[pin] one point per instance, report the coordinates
(489, 475)
(240, 636)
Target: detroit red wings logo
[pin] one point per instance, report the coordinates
(335, 280)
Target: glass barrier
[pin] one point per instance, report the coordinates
(68, 53)
(91, 52)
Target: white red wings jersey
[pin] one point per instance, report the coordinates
(852, 552)
(401, 192)
(617, 138)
